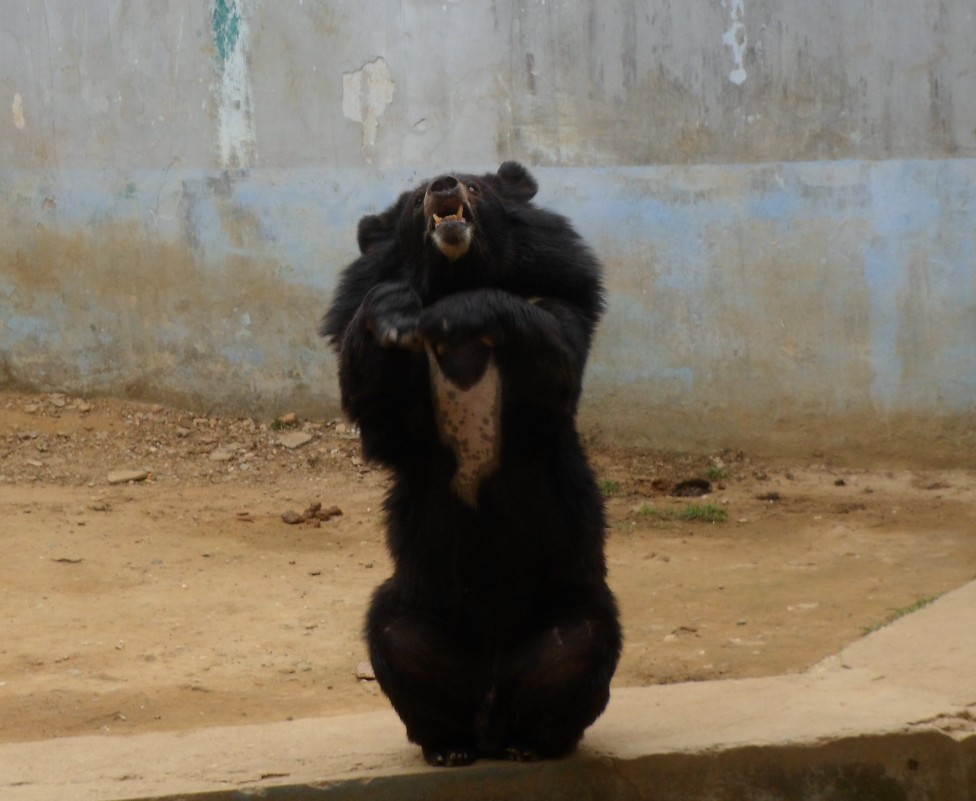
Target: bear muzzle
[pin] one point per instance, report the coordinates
(449, 216)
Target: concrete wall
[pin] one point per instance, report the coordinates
(783, 195)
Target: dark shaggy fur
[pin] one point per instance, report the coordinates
(462, 332)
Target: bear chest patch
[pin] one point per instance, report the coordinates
(467, 404)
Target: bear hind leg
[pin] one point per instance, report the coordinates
(433, 684)
(550, 690)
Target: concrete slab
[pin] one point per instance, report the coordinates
(892, 717)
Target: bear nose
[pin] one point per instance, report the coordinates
(444, 184)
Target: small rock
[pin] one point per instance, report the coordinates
(221, 455)
(294, 439)
(364, 671)
(83, 407)
(125, 476)
(292, 517)
(182, 432)
(288, 419)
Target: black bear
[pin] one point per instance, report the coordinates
(462, 332)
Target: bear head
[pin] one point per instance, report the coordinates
(455, 230)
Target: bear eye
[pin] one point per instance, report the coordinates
(473, 189)
(418, 201)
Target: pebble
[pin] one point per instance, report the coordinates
(294, 439)
(364, 672)
(288, 419)
(125, 476)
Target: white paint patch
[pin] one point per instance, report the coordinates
(18, 111)
(236, 140)
(470, 425)
(366, 93)
(735, 38)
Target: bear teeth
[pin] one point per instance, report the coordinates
(456, 217)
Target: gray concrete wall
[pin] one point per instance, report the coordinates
(783, 197)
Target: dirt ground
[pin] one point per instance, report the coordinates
(181, 598)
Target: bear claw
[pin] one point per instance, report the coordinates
(516, 754)
(449, 757)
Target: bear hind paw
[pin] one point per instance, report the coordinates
(517, 754)
(449, 756)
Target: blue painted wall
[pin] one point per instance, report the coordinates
(784, 201)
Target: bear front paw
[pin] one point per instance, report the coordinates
(391, 311)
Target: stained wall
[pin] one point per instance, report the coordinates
(783, 196)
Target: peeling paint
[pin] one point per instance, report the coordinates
(366, 93)
(226, 26)
(236, 140)
(736, 39)
(18, 111)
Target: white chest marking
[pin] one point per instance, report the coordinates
(469, 421)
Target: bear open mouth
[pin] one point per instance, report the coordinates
(458, 216)
(450, 220)
(451, 233)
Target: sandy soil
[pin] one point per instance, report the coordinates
(182, 599)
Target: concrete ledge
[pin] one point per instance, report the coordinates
(891, 718)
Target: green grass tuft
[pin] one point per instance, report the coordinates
(705, 512)
(896, 614)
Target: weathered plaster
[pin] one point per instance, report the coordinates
(782, 195)
(366, 93)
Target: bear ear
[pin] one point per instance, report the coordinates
(378, 229)
(516, 182)
(372, 231)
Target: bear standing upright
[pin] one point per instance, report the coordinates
(462, 331)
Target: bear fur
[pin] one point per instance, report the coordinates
(462, 332)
